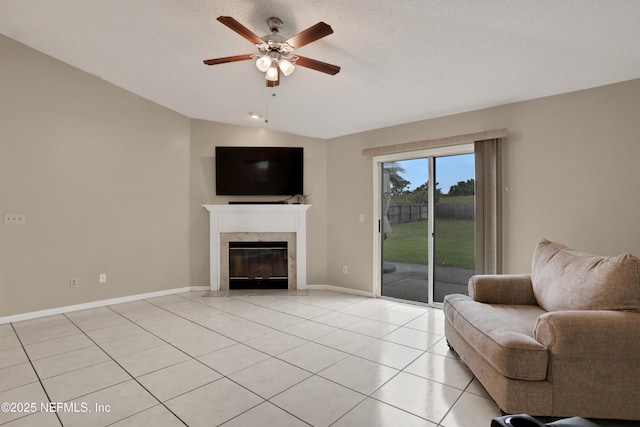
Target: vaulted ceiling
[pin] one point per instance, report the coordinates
(402, 61)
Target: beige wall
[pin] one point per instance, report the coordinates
(112, 183)
(570, 175)
(205, 136)
(103, 178)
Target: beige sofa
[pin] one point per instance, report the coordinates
(563, 341)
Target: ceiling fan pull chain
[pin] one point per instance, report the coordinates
(273, 95)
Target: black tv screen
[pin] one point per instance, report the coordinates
(259, 171)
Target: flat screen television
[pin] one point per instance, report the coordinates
(259, 171)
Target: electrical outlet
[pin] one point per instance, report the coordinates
(15, 218)
(73, 282)
(102, 278)
(345, 269)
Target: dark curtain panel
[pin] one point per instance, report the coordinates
(488, 207)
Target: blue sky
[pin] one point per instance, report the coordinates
(449, 170)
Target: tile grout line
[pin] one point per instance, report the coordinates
(284, 361)
(275, 329)
(317, 374)
(223, 375)
(267, 400)
(35, 372)
(124, 369)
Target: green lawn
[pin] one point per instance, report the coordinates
(455, 243)
(457, 199)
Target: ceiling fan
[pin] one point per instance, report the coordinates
(276, 52)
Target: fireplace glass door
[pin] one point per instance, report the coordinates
(258, 265)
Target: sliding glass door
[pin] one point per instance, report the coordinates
(405, 230)
(454, 230)
(427, 227)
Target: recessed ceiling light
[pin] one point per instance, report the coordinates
(254, 115)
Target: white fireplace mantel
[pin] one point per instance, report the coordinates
(277, 218)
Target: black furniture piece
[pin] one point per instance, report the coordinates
(523, 420)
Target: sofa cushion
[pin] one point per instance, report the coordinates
(564, 279)
(502, 334)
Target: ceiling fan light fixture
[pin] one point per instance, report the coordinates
(276, 52)
(272, 73)
(264, 62)
(286, 66)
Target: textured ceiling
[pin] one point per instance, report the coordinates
(402, 61)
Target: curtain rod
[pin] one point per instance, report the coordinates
(434, 143)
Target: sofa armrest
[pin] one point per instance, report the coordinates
(590, 334)
(502, 289)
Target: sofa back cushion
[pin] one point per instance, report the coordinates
(564, 279)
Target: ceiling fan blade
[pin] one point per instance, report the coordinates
(228, 59)
(311, 34)
(317, 65)
(240, 29)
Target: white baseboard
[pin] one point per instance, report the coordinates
(341, 289)
(95, 304)
(102, 303)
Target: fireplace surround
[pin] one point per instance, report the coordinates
(257, 223)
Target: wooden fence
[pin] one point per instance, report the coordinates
(464, 211)
(399, 214)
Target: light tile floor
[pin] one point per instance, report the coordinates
(322, 358)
